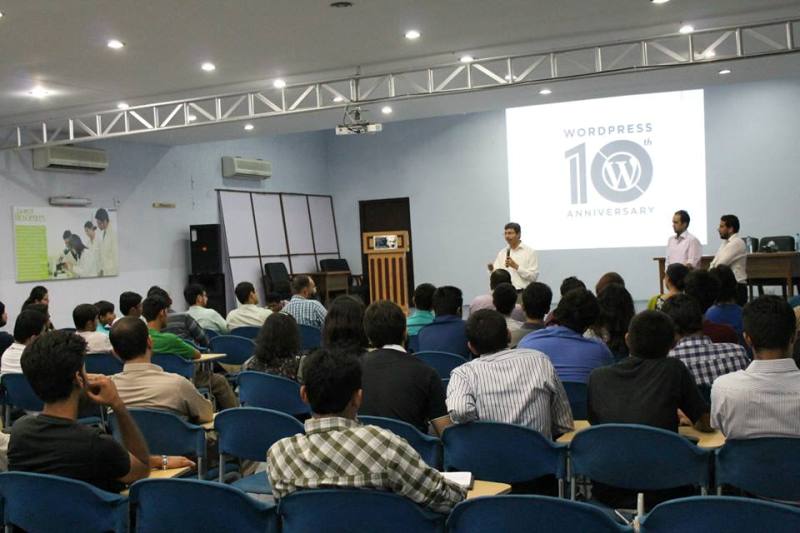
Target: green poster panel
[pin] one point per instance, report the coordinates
(31, 252)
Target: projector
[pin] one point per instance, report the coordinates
(354, 124)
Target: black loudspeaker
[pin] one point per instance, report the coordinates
(215, 288)
(206, 248)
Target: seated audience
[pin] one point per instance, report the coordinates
(38, 295)
(704, 287)
(249, 313)
(726, 310)
(674, 282)
(396, 384)
(344, 325)
(573, 355)
(764, 399)
(197, 300)
(180, 324)
(504, 299)
(570, 284)
(505, 385)
(486, 301)
(704, 359)
(29, 325)
(6, 339)
(43, 309)
(616, 312)
(85, 318)
(277, 347)
(144, 385)
(303, 307)
(337, 451)
(423, 308)
(446, 332)
(605, 280)
(536, 300)
(130, 304)
(105, 316)
(274, 302)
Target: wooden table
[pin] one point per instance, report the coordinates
(703, 440)
(487, 488)
(330, 282)
(158, 473)
(208, 357)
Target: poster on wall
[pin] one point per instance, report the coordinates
(64, 243)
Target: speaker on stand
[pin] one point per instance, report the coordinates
(206, 255)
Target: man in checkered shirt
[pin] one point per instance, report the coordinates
(704, 359)
(337, 451)
(303, 307)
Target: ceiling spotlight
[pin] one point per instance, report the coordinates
(1, 14)
(39, 92)
(724, 72)
(341, 4)
(122, 105)
(279, 84)
(545, 92)
(686, 28)
(413, 35)
(248, 127)
(659, 1)
(208, 66)
(509, 77)
(115, 44)
(386, 110)
(192, 118)
(338, 99)
(467, 59)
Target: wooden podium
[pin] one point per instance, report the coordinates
(387, 253)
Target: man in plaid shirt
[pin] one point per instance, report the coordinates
(704, 359)
(337, 451)
(303, 307)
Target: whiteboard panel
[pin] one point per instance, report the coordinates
(269, 224)
(298, 227)
(323, 224)
(247, 269)
(238, 218)
(303, 263)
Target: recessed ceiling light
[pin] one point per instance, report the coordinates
(341, 4)
(1, 14)
(279, 84)
(413, 35)
(386, 110)
(116, 44)
(248, 127)
(338, 99)
(466, 59)
(686, 28)
(39, 92)
(208, 66)
(545, 92)
(659, 1)
(509, 77)
(192, 118)
(724, 72)
(122, 105)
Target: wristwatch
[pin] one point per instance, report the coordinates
(163, 462)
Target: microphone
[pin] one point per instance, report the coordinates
(508, 252)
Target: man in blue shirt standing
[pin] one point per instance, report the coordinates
(447, 331)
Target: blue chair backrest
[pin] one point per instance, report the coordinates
(103, 363)
(42, 502)
(428, 447)
(166, 433)
(506, 453)
(237, 349)
(413, 343)
(248, 432)
(442, 362)
(346, 510)
(257, 389)
(529, 513)
(766, 467)
(577, 394)
(18, 392)
(248, 332)
(637, 457)
(192, 505)
(720, 514)
(310, 337)
(210, 333)
(174, 364)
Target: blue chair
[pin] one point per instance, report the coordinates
(530, 514)
(577, 394)
(442, 362)
(721, 514)
(428, 447)
(765, 467)
(17, 392)
(257, 389)
(310, 337)
(637, 457)
(170, 505)
(103, 363)
(210, 333)
(42, 502)
(349, 510)
(237, 350)
(506, 453)
(174, 364)
(413, 343)
(248, 332)
(247, 433)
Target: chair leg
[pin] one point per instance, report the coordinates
(572, 481)
(561, 488)
(200, 468)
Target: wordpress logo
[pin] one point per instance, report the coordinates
(621, 171)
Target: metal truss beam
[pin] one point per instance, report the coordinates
(701, 47)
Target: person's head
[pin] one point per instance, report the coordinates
(43, 309)
(278, 339)
(101, 216)
(605, 279)
(274, 302)
(536, 300)
(570, 284)
(304, 286)
(770, 327)
(195, 294)
(76, 245)
(154, 310)
(447, 300)
(332, 383)
(155, 290)
(130, 304)
(486, 332)
(38, 295)
(130, 339)
(3, 315)
(680, 221)
(90, 230)
(498, 276)
(53, 365)
(85, 317)
(728, 225)
(30, 323)
(504, 298)
(246, 293)
(616, 312)
(651, 335)
(423, 296)
(577, 310)
(385, 323)
(684, 310)
(65, 237)
(727, 284)
(344, 324)
(105, 312)
(675, 277)
(703, 286)
(512, 232)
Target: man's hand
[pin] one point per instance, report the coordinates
(490, 266)
(101, 390)
(511, 263)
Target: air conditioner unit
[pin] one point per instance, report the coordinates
(238, 167)
(70, 159)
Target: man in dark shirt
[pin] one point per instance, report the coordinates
(447, 331)
(536, 300)
(6, 339)
(397, 384)
(704, 287)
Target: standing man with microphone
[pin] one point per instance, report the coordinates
(520, 260)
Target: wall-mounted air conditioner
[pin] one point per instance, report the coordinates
(238, 167)
(70, 159)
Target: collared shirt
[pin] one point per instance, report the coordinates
(339, 452)
(512, 325)
(108, 260)
(707, 360)
(684, 249)
(761, 401)
(186, 327)
(147, 386)
(733, 252)
(208, 318)
(445, 334)
(306, 312)
(528, 265)
(10, 362)
(95, 342)
(523, 330)
(485, 301)
(512, 386)
(573, 355)
(170, 343)
(248, 315)
(417, 321)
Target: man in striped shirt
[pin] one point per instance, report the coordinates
(303, 307)
(512, 386)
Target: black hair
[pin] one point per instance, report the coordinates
(498, 276)
(385, 323)
(272, 297)
(192, 292)
(127, 301)
(684, 216)
(770, 323)
(104, 307)
(278, 339)
(155, 290)
(51, 362)
(129, 337)
(423, 296)
(570, 284)
(616, 312)
(331, 377)
(101, 214)
(299, 283)
(37, 294)
(504, 298)
(684, 310)
(447, 300)
(536, 300)
(513, 225)
(676, 273)
(89, 225)
(77, 245)
(703, 286)
(152, 306)
(577, 310)
(2, 310)
(727, 283)
(243, 291)
(344, 324)
(732, 221)
(487, 331)
(66, 235)
(651, 335)
(605, 280)
(82, 314)
(29, 322)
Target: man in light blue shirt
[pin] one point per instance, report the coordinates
(197, 298)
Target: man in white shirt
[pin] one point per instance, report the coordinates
(733, 252)
(29, 325)
(520, 260)
(85, 318)
(197, 298)
(248, 313)
(683, 247)
(109, 260)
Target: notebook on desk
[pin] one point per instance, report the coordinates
(462, 478)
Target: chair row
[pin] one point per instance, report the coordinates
(310, 337)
